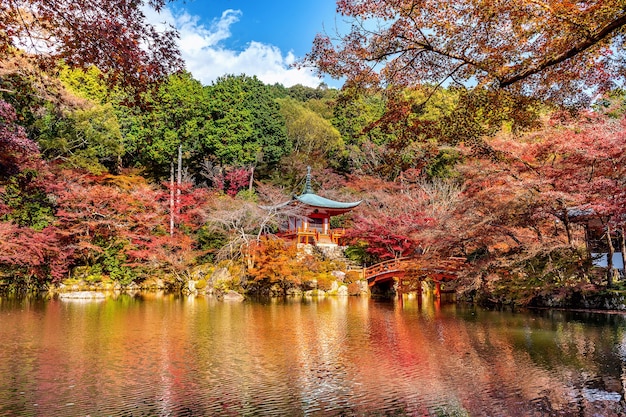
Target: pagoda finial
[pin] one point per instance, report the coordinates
(307, 186)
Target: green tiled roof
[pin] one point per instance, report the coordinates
(310, 198)
(315, 200)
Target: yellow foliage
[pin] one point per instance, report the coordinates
(124, 182)
(352, 276)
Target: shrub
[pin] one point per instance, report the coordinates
(352, 276)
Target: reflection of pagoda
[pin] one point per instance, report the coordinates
(312, 224)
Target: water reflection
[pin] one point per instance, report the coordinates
(161, 354)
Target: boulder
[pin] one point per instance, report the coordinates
(340, 275)
(233, 296)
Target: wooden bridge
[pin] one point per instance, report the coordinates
(416, 269)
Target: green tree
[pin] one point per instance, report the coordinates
(178, 115)
(309, 133)
(87, 138)
(245, 126)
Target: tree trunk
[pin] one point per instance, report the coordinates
(179, 178)
(623, 248)
(251, 178)
(609, 260)
(172, 199)
(567, 226)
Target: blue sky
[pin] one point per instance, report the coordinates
(249, 37)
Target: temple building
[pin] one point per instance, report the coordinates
(310, 222)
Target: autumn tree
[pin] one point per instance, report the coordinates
(519, 207)
(273, 260)
(18, 151)
(389, 223)
(113, 35)
(33, 258)
(522, 45)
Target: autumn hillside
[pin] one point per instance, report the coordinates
(86, 191)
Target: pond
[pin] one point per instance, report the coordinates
(170, 355)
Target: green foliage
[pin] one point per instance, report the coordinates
(353, 116)
(28, 204)
(247, 195)
(113, 263)
(612, 104)
(309, 133)
(359, 254)
(86, 83)
(19, 90)
(304, 94)
(89, 138)
(209, 241)
(442, 165)
(177, 116)
(245, 126)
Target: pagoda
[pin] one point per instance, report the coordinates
(312, 223)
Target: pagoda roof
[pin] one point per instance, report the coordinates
(311, 199)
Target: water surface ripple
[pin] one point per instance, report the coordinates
(165, 355)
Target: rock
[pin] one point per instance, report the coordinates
(203, 271)
(220, 275)
(233, 296)
(340, 275)
(343, 290)
(82, 295)
(294, 292)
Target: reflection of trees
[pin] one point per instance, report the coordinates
(173, 355)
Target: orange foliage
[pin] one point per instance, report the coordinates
(275, 260)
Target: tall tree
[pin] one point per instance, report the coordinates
(245, 125)
(113, 35)
(310, 133)
(526, 45)
(178, 115)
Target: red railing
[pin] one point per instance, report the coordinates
(308, 235)
(443, 269)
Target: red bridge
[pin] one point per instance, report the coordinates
(416, 268)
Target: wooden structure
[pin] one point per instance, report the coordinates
(398, 270)
(311, 225)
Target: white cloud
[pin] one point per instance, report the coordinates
(207, 59)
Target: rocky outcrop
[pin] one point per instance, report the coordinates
(82, 295)
(233, 296)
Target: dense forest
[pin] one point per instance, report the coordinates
(110, 179)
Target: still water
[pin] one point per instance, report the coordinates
(166, 355)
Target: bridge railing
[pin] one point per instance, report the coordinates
(390, 265)
(445, 268)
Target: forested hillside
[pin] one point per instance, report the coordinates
(103, 180)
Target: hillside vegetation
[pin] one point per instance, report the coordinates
(86, 188)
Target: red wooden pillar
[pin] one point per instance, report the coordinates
(438, 289)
